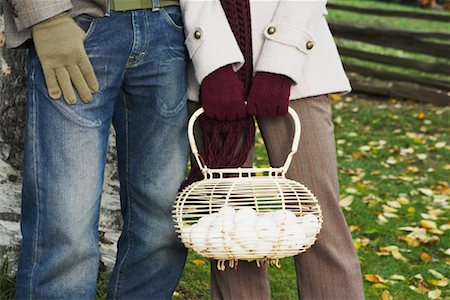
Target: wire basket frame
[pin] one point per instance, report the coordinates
(253, 214)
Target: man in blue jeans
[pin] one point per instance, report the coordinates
(138, 55)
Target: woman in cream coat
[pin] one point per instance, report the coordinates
(290, 38)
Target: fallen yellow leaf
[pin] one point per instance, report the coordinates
(427, 224)
(389, 248)
(425, 257)
(397, 277)
(435, 212)
(419, 276)
(356, 155)
(347, 201)
(422, 287)
(389, 209)
(445, 190)
(433, 281)
(335, 97)
(436, 274)
(382, 219)
(436, 231)
(394, 204)
(353, 227)
(428, 216)
(386, 295)
(426, 192)
(364, 241)
(411, 210)
(435, 294)
(199, 262)
(397, 255)
(390, 215)
(409, 240)
(442, 282)
(379, 286)
(374, 278)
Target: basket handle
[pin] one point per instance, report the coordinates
(287, 163)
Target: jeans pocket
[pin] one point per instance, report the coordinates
(172, 16)
(87, 23)
(171, 93)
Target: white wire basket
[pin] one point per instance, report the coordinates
(253, 214)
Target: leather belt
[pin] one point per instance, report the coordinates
(124, 5)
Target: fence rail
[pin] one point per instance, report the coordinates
(380, 79)
(391, 13)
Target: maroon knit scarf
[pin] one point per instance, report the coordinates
(227, 143)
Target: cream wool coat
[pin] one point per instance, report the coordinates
(211, 44)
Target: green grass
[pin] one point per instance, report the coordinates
(7, 284)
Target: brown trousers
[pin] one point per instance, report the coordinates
(330, 269)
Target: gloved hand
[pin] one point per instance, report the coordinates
(222, 95)
(59, 46)
(269, 95)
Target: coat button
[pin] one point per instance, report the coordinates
(271, 30)
(197, 34)
(309, 45)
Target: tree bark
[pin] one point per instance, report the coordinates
(12, 102)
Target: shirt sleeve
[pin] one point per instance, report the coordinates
(289, 38)
(209, 39)
(30, 12)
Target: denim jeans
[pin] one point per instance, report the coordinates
(140, 61)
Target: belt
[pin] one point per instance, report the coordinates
(124, 5)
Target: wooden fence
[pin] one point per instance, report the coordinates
(393, 83)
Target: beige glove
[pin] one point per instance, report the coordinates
(59, 46)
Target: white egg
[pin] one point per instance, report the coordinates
(244, 236)
(206, 220)
(310, 219)
(225, 224)
(216, 243)
(289, 235)
(290, 218)
(278, 216)
(237, 250)
(309, 223)
(283, 217)
(186, 235)
(264, 249)
(298, 242)
(266, 229)
(245, 215)
(199, 237)
(227, 212)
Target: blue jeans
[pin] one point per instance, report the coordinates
(140, 61)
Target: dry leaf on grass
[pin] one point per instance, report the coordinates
(374, 278)
(425, 257)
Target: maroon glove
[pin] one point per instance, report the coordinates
(269, 95)
(222, 95)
